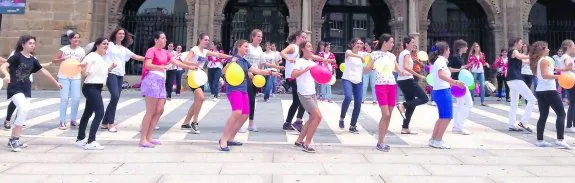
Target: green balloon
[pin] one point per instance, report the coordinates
(472, 87)
(429, 79)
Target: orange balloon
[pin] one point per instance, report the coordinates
(566, 80)
(70, 68)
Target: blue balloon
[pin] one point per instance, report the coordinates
(466, 77)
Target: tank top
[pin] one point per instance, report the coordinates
(289, 65)
(514, 67)
(542, 83)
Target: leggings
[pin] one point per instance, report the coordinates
(94, 105)
(10, 111)
(295, 105)
(545, 100)
(23, 107)
(414, 96)
(350, 89)
(500, 83)
(571, 110)
(172, 75)
(252, 96)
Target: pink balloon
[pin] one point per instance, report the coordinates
(457, 92)
(320, 74)
(427, 68)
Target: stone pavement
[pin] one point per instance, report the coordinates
(490, 154)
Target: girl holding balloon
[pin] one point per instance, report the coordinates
(198, 57)
(464, 100)
(236, 76)
(441, 93)
(153, 86)
(517, 86)
(568, 48)
(546, 92)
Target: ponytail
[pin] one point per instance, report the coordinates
(441, 47)
(291, 38)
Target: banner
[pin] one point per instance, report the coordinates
(12, 6)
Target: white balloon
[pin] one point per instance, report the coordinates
(200, 77)
(332, 81)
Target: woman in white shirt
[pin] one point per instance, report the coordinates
(352, 83)
(442, 82)
(568, 48)
(70, 85)
(118, 53)
(526, 71)
(96, 70)
(255, 57)
(271, 63)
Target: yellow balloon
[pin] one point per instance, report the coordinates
(235, 74)
(367, 58)
(342, 67)
(191, 82)
(259, 81)
(384, 65)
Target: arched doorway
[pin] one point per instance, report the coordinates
(143, 17)
(552, 21)
(345, 20)
(242, 16)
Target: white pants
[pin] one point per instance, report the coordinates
(464, 105)
(22, 108)
(518, 87)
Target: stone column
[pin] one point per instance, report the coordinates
(526, 29)
(397, 28)
(423, 26)
(498, 36)
(316, 29)
(293, 24)
(190, 30)
(218, 21)
(413, 21)
(113, 22)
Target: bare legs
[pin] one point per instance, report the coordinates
(233, 125)
(384, 122)
(196, 106)
(154, 110)
(439, 129)
(310, 127)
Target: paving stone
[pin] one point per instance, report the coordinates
(63, 168)
(415, 159)
(273, 168)
(374, 169)
(475, 170)
(169, 168)
(216, 178)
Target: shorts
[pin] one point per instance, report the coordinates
(239, 101)
(386, 94)
(444, 103)
(194, 89)
(153, 86)
(309, 102)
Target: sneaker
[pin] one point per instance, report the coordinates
(498, 99)
(298, 144)
(169, 98)
(515, 128)
(441, 145)
(525, 127)
(113, 129)
(215, 99)
(7, 125)
(62, 126)
(195, 128)
(570, 130)
(483, 104)
(541, 143)
(80, 143)
(341, 124)
(308, 149)
(252, 128)
(157, 127)
(433, 103)
(93, 146)
(287, 127)
(73, 124)
(14, 145)
(431, 142)
(186, 127)
(298, 125)
(382, 147)
(562, 144)
(462, 132)
(353, 129)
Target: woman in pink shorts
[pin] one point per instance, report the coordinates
(238, 97)
(385, 85)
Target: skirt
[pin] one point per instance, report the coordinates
(154, 86)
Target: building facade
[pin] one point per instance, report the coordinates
(488, 22)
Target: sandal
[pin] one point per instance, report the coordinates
(146, 145)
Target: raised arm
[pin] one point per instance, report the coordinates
(138, 58)
(285, 51)
(219, 55)
(58, 57)
(349, 53)
(519, 56)
(47, 74)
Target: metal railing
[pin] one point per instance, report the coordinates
(553, 32)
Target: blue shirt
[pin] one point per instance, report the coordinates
(245, 65)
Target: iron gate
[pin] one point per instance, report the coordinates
(553, 32)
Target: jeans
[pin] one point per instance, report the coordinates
(70, 89)
(414, 96)
(295, 105)
(172, 75)
(369, 81)
(500, 83)
(464, 105)
(214, 75)
(518, 87)
(325, 90)
(571, 110)
(481, 78)
(270, 83)
(350, 89)
(94, 105)
(114, 84)
(545, 100)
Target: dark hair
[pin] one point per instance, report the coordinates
(501, 52)
(200, 37)
(96, 43)
(72, 34)
(472, 52)
(240, 43)
(152, 42)
(319, 44)
(458, 44)
(352, 42)
(301, 47)
(513, 40)
(253, 33)
(383, 38)
(291, 38)
(536, 53)
(218, 45)
(127, 41)
(441, 46)
(406, 41)
(23, 39)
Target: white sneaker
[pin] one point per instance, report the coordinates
(80, 143)
(562, 144)
(541, 143)
(570, 130)
(440, 145)
(431, 142)
(93, 146)
(462, 132)
(113, 129)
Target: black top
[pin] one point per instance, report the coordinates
(20, 70)
(456, 62)
(513, 67)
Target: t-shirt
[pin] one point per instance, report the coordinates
(271, 58)
(479, 67)
(159, 57)
(456, 62)
(526, 69)
(402, 62)
(542, 83)
(245, 65)
(96, 68)
(354, 68)
(255, 55)
(559, 61)
(513, 68)
(384, 78)
(31, 75)
(68, 53)
(566, 62)
(200, 57)
(440, 65)
(289, 65)
(305, 82)
(20, 70)
(120, 55)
